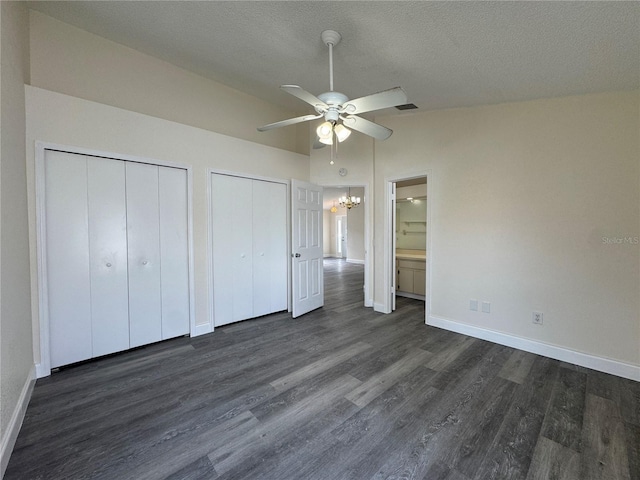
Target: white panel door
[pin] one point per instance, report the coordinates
(67, 238)
(232, 226)
(143, 236)
(108, 255)
(306, 243)
(174, 251)
(269, 247)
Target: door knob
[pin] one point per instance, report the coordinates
(144, 262)
(297, 255)
(108, 264)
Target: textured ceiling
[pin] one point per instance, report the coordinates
(445, 54)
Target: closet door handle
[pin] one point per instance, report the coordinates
(108, 264)
(144, 262)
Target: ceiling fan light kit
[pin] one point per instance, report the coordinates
(336, 107)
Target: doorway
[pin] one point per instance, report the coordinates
(346, 231)
(407, 241)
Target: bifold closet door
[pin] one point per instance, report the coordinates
(174, 251)
(143, 238)
(269, 247)
(231, 217)
(68, 275)
(108, 255)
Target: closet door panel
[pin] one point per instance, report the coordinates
(108, 255)
(261, 248)
(242, 249)
(143, 237)
(278, 246)
(222, 243)
(270, 248)
(67, 237)
(174, 251)
(231, 204)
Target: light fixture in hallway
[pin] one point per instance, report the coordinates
(349, 202)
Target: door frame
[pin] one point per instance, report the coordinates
(367, 201)
(41, 335)
(287, 182)
(389, 254)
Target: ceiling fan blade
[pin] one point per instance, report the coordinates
(305, 96)
(377, 101)
(291, 121)
(367, 127)
(318, 144)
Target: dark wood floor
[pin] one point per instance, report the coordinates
(341, 393)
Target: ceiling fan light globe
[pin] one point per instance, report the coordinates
(324, 131)
(326, 141)
(342, 132)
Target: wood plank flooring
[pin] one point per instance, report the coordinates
(341, 393)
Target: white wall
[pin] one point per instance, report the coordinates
(355, 229)
(65, 120)
(521, 196)
(16, 355)
(69, 60)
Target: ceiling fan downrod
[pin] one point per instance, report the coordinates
(331, 38)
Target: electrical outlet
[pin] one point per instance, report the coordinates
(486, 307)
(473, 305)
(537, 318)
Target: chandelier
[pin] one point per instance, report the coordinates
(349, 202)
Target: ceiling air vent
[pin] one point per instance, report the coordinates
(406, 106)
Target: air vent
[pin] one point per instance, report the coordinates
(406, 106)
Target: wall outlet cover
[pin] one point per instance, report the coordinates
(537, 318)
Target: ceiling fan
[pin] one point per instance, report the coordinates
(335, 106)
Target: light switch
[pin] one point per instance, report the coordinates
(473, 305)
(486, 307)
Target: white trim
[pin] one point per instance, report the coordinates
(13, 427)
(43, 369)
(380, 307)
(602, 364)
(217, 171)
(355, 260)
(201, 330)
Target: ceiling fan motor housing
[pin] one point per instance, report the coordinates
(335, 100)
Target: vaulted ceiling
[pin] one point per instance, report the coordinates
(445, 54)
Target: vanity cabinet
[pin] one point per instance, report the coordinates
(411, 276)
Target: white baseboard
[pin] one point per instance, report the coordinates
(602, 364)
(13, 428)
(355, 260)
(201, 330)
(41, 372)
(368, 302)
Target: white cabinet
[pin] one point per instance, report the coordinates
(249, 247)
(117, 255)
(411, 277)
